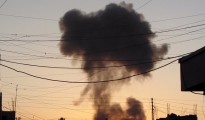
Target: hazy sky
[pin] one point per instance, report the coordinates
(40, 99)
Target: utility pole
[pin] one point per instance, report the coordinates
(0, 66)
(16, 96)
(152, 108)
(16, 101)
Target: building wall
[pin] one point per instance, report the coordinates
(6, 115)
(193, 72)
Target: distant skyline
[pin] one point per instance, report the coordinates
(25, 20)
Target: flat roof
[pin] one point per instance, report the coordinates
(193, 54)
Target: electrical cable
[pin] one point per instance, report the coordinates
(180, 35)
(98, 67)
(39, 56)
(187, 24)
(48, 19)
(158, 40)
(32, 115)
(176, 102)
(42, 57)
(3, 4)
(175, 18)
(34, 18)
(121, 36)
(49, 57)
(144, 4)
(118, 48)
(181, 41)
(176, 106)
(88, 82)
(196, 93)
(21, 45)
(60, 107)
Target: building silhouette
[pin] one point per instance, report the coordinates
(192, 68)
(6, 115)
(173, 116)
(192, 71)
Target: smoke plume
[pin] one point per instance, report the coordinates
(114, 36)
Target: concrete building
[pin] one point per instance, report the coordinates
(192, 68)
(6, 115)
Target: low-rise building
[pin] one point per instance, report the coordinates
(6, 115)
(177, 117)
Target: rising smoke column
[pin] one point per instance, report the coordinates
(116, 35)
(134, 111)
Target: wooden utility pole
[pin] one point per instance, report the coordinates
(152, 108)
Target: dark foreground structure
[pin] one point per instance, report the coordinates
(6, 115)
(175, 117)
(192, 68)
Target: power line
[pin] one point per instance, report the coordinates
(144, 62)
(181, 41)
(20, 45)
(188, 24)
(26, 48)
(144, 4)
(39, 56)
(48, 19)
(176, 42)
(157, 40)
(198, 93)
(120, 36)
(32, 115)
(180, 35)
(88, 82)
(3, 4)
(176, 102)
(126, 46)
(43, 57)
(34, 18)
(60, 107)
(175, 18)
(50, 57)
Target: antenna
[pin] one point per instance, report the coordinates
(156, 111)
(168, 108)
(9, 106)
(12, 102)
(195, 109)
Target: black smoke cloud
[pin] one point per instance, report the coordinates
(116, 35)
(134, 111)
